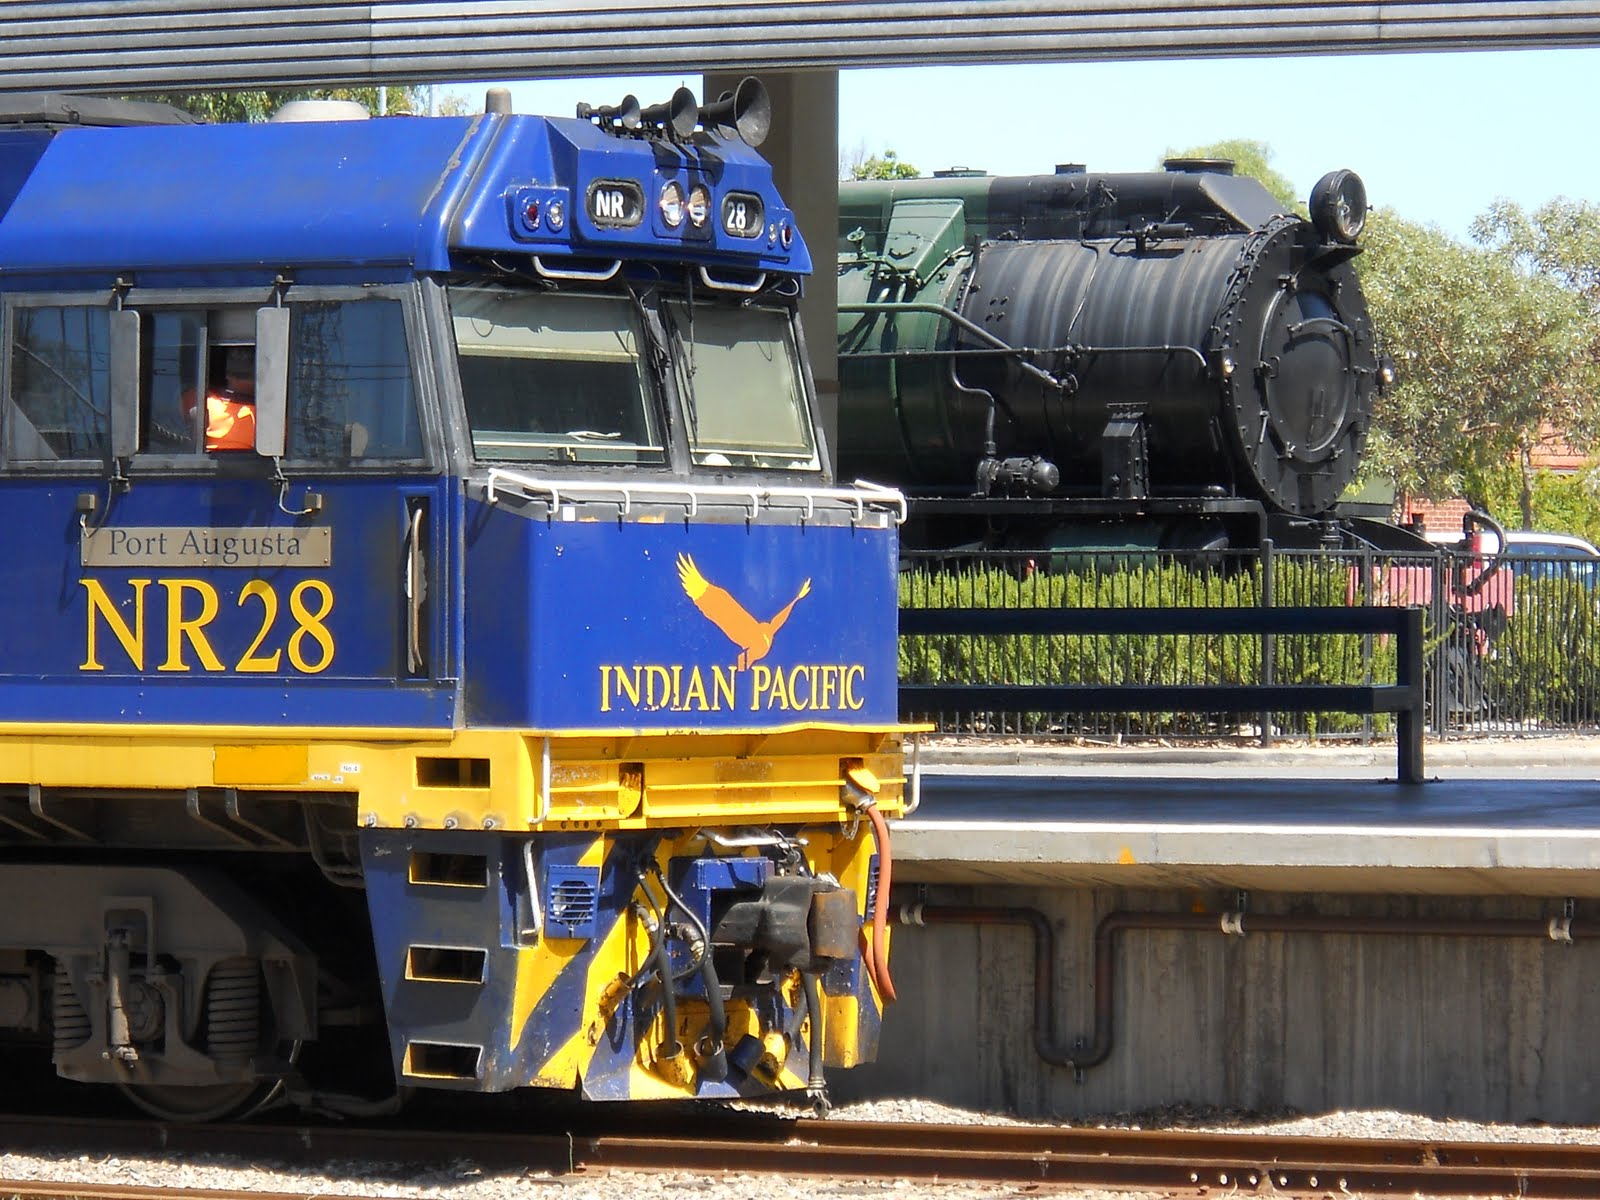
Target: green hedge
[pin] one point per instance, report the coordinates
(1545, 669)
(1542, 671)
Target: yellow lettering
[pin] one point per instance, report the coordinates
(262, 591)
(830, 685)
(628, 689)
(848, 693)
(310, 624)
(679, 687)
(722, 681)
(193, 628)
(132, 639)
(696, 695)
(797, 677)
(657, 687)
(780, 692)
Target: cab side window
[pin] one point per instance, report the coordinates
(174, 380)
(351, 396)
(60, 401)
(350, 389)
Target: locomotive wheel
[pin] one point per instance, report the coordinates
(232, 1030)
(212, 1102)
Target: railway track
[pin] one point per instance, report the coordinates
(1173, 1163)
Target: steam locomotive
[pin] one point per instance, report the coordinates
(506, 697)
(1162, 360)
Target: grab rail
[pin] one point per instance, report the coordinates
(691, 495)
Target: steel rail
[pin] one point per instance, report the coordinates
(39, 1189)
(1178, 1162)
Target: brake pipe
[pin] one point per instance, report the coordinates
(1094, 1050)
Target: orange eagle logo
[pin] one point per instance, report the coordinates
(753, 637)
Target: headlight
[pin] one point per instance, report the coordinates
(1339, 206)
(671, 205)
(699, 205)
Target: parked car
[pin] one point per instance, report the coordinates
(1532, 555)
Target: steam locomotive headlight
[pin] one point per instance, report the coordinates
(555, 215)
(1339, 206)
(1386, 372)
(699, 206)
(671, 205)
(1225, 365)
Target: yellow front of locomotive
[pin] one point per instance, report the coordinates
(641, 916)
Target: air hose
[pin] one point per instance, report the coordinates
(817, 1083)
(713, 1055)
(880, 910)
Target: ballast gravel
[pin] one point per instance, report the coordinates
(465, 1180)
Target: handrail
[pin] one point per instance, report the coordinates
(576, 273)
(730, 285)
(691, 495)
(961, 322)
(1404, 698)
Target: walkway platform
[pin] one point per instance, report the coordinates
(1518, 818)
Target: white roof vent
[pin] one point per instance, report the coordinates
(322, 110)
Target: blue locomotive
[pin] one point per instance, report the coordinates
(436, 652)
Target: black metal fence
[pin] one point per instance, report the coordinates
(1510, 647)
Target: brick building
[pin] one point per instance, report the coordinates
(1551, 453)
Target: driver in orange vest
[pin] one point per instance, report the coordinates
(231, 409)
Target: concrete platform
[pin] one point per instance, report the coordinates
(1497, 818)
(1377, 1014)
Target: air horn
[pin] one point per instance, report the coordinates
(625, 114)
(747, 111)
(680, 114)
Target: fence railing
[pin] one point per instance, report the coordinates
(1403, 698)
(1513, 650)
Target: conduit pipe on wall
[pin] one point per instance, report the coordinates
(1234, 923)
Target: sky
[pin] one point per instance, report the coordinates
(1436, 137)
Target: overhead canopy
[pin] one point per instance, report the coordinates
(130, 46)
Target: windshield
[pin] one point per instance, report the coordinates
(744, 392)
(554, 378)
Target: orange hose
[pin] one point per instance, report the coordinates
(879, 958)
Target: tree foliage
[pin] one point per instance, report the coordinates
(1560, 240)
(876, 166)
(1250, 158)
(1495, 345)
(1563, 502)
(228, 107)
